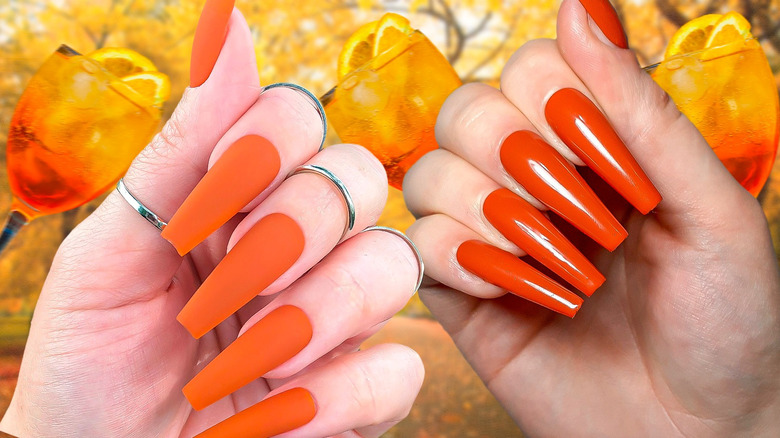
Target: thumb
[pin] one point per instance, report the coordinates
(115, 245)
(696, 188)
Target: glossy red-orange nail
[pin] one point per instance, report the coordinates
(588, 133)
(504, 270)
(246, 168)
(262, 255)
(275, 415)
(532, 232)
(551, 179)
(209, 37)
(274, 340)
(605, 17)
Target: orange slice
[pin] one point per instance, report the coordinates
(730, 28)
(692, 36)
(153, 85)
(122, 62)
(391, 29)
(358, 49)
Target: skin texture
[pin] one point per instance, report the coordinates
(106, 355)
(683, 338)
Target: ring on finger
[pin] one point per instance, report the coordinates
(312, 98)
(138, 206)
(319, 170)
(411, 244)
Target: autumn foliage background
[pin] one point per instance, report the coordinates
(299, 41)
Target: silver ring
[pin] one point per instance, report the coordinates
(411, 245)
(319, 170)
(314, 101)
(147, 214)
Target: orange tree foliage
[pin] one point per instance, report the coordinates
(296, 41)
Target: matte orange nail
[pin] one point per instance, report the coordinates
(605, 17)
(531, 231)
(504, 270)
(275, 415)
(274, 340)
(587, 132)
(246, 168)
(209, 38)
(555, 182)
(263, 254)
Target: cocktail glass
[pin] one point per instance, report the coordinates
(74, 133)
(730, 95)
(390, 104)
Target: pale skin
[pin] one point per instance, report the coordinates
(683, 339)
(106, 356)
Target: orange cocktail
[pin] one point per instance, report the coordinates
(74, 132)
(728, 91)
(389, 102)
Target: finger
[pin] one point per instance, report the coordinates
(367, 391)
(668, 147)
(161, 176)
(456, 257)
(483, 127)
(362, 283)
(499, 216)
(288, 233)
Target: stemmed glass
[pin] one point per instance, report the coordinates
(73, 134)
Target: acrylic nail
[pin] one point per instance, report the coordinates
(209, 38)
(261, 256)
(551, 179)
(507, 271)
(606, 18)
(588, 133)
(275, 415)
(532, 232)
(272, 341)
(243, 171)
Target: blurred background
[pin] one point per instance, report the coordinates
(299, 41)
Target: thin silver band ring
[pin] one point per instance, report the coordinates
(147, 214)
(314, 101)
(319, 170)
(411, 244)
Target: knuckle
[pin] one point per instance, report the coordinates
(535, 55)
(348, 289)
(363, 389)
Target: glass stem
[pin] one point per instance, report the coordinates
(16, 221)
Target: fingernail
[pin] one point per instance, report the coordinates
(246, 168)
(262, 255)
(274, 340)
(551, 179)
(209, 38)
(605, 17)
(275, 415)
(504, 270)
(532, 232)
(587, 132)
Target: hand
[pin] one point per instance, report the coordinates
(683, 338)
(106, 356)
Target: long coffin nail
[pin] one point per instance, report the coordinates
(555, 182)
(262, 255)
(275, 415)
(605, 17)
(209, 38)
(530, 230)
(246, 168)
(505, 270)
(274, 340)
(587, 132)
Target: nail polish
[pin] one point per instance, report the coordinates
(209, 38)
(580, 124)
(262, 255)
(504, 270)
(531, 231)
(606, 18)
(274, 340)
(551, 179)
(275, 415)
(243, 171)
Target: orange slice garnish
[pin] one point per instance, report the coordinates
(370, 40)
(730, 28)
(122, 62)
(152, 85)
(391, 29)
(692, 36)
